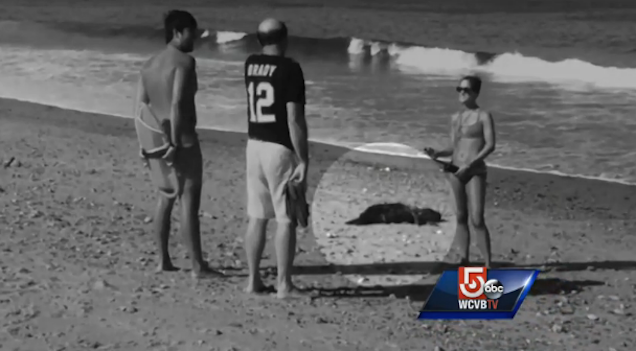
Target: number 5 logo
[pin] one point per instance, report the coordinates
(263, 97)
(471, 282)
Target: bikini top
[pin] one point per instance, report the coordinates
(470, 131)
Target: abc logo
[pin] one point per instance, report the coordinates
(493, 289)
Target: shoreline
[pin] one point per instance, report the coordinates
(78, 253)
(382, 156)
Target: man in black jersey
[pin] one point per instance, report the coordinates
(276, 150)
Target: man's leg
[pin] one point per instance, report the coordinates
(190, 226)
(190, 165)
(285, 243)
(280, 166)
(161, 229)
(254, 245)
(259, 210)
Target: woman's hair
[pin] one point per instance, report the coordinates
(177, 20)
(474, 81)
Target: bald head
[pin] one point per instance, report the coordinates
(271, 32)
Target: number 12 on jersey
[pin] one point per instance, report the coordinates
(260, 95)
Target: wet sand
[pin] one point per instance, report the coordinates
(77, 255)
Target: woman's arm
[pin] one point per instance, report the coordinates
(449, 149)
(489, 138)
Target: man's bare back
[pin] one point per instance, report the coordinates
(168, 85)
(158, 76)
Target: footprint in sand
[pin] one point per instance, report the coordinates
(382, 254)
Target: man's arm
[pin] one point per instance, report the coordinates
(298, 130)
(140, 100)
(489, 138)
(181, 76)
(295, 100)
(142, 97)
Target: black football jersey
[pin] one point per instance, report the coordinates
(271, 82)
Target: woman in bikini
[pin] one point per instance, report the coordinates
(472, 140)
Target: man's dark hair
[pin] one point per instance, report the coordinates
(272, 37)
(475, 83)
(177, 20)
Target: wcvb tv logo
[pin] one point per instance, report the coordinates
(473, 284)
(478, 293)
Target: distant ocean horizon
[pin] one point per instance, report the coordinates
(569, 115)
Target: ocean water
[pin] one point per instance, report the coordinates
(568, 115)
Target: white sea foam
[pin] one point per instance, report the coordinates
(401, 150)
(507, 66)
(223, 37)
(511, 66)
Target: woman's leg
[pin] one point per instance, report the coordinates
(476, 189)
(462, 235)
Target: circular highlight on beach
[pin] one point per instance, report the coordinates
(381, 225)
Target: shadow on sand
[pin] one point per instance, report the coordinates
(420, 292)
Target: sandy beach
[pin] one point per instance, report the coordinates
(77, 257)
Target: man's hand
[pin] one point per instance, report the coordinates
(143, 157)
(300, 174)
(170, 155)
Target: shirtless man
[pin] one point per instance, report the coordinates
(472, 141)
(168, 85)
(276, 151)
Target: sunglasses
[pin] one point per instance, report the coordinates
(463, 90)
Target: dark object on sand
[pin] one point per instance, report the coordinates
(297, 206)
(396, 213)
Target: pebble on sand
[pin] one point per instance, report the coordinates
(592, 317)
(100, 285)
